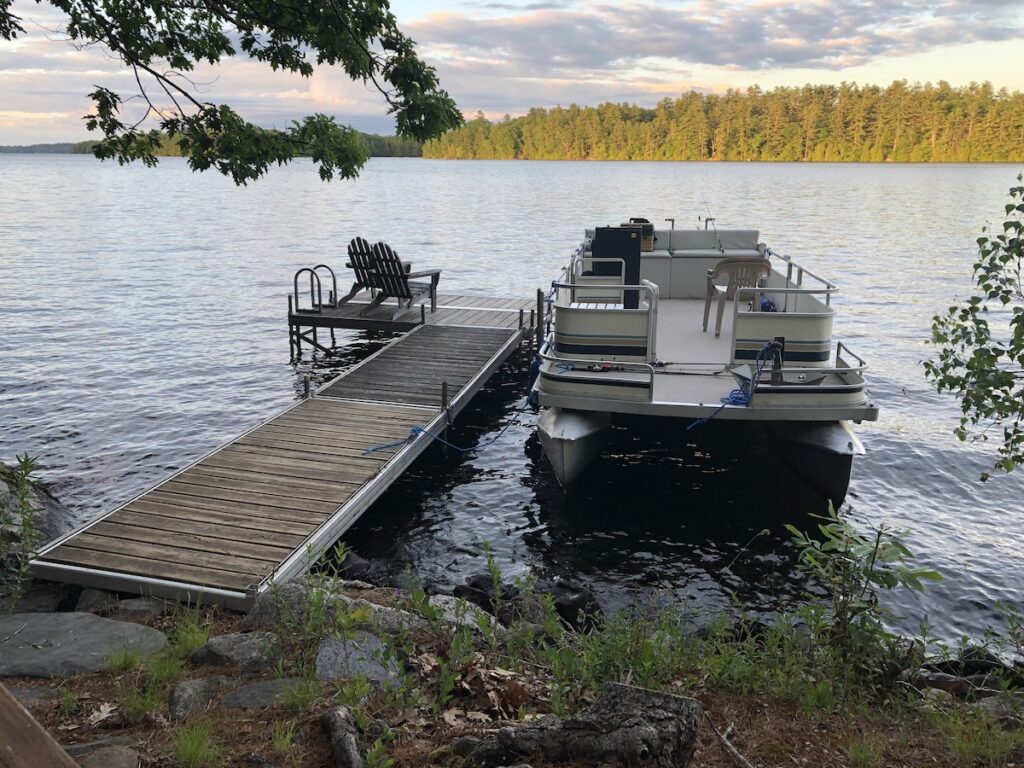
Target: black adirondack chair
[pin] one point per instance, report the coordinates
(360, 261)
(393, 281)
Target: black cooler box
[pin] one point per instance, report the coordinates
(619, 243)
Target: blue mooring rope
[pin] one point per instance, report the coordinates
(417, 430)
(738, 396)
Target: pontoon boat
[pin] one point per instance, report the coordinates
(639, 326)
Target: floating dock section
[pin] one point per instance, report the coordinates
(262, 508)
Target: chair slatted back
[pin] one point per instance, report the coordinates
(391, 275)
(741, 272)
(361, 258)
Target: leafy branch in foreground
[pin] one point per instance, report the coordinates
(981, 342)
(161, 42)
(852, 567)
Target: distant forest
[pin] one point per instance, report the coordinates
(380, 146)
(844, 123)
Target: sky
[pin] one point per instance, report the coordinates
(506, 56)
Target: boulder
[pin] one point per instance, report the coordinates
(461, 612)
(193, 696)
(361, 655)
(91, 600)
(1005, 707)
(112, 757)
(626, 726)
(343, 737)
(140, 609)
(288, 605)
(56, 644)
(41, 597)
(261, 695)
(251, 651)
(30, 698)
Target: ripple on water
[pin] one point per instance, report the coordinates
(142, 324)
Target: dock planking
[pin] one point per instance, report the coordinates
(259, 509)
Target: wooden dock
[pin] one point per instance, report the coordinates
(262, 508)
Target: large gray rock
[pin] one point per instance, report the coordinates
(140, 609)
(30, 698)
(261, 695)
(288, 605)
(91, 600)
(362, 655)
(252, 651)
(193, 696)
(461, 612)
(1007, 707)
(54, 644)
(112, 757)
(40, 597)
(341, 732)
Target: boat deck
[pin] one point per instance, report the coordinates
(263, 507)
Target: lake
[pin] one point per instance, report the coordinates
(142, 323)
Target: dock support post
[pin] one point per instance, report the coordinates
(445, 403)
(305, 386)
(521, 313)
(540, 319)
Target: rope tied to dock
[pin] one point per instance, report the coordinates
(417, 430)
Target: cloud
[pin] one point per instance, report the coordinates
(760, 35)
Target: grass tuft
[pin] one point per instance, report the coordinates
(195, 747)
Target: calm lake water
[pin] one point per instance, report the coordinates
(142, 323)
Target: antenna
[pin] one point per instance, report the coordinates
(711, 220)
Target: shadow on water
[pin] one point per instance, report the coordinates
(665, 515)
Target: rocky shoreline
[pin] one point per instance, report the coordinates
(344, 673)
(361, 666)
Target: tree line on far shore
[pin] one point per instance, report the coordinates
(380, 146)
(832, 123)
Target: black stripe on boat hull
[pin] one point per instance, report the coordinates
(592, 382)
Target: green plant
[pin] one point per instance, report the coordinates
(852, 567)
(67, 703)
(376, 756)
(460, 648)
(977, 741)
(195, 746)
(981, 342)
(122, 660)
(190, 633)
(163, 670)
(282, 737)
(19, 533)
(301, 695)
(136, 700)
(864, 752)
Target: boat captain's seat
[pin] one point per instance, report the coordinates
(728, 276)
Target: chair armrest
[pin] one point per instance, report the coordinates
(424, 273)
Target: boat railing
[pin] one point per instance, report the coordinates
(602, 366)
(646, 287)
(752, 294)
(800, 272)
(840, 368)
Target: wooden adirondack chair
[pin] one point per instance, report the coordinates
(360, 261)
(737, 272)
(393, 281)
